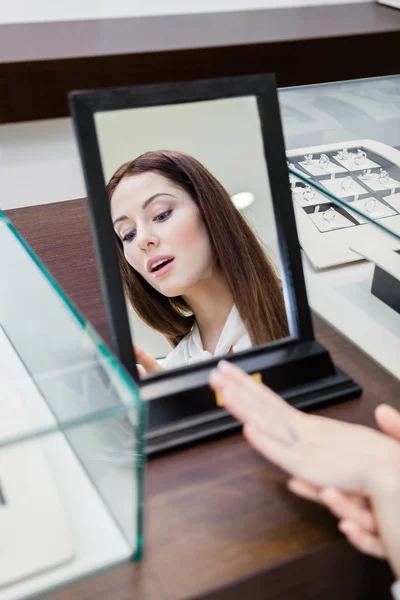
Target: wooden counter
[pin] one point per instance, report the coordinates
(220, 524)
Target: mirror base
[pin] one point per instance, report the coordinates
(171, 426)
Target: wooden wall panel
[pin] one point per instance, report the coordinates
(38, 90)
(301, 45)
(4, 95)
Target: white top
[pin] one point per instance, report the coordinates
(190, 349)
(396, 590)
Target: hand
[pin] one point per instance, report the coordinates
(147, 364)
(322, 451)
(357, 519)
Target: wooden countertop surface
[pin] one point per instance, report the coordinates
(220, 524)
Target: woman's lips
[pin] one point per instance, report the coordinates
(152, 263)
(164, 269)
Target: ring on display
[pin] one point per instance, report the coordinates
(370, 205)
(324, 161)
(308, 193)
(383, 177)
(347, 183)
(361, 156)
(343, 154)
(366, 174)
(329, 215)
(308, 159)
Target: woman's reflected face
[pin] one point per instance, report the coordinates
(163, 235)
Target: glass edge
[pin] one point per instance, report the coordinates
(341, 202)
(140, 478)
(67, 425)
(342, 82)
(99, 343)
(101, 347)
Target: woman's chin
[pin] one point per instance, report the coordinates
(172, 289)
(172, 292)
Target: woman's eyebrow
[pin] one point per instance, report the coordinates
(123, 218)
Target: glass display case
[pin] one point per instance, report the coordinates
(71, 428)
(343, 149)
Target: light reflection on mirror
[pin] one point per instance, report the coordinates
(242, 200)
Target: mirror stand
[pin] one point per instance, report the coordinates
(182, 417)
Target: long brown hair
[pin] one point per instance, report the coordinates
(239, 255)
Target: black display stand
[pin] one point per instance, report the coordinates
(386, 288)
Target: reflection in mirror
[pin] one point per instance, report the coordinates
(194, 226)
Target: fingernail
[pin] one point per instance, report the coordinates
(345, 527)
(224, 365)
(328, 494)
(215, 378)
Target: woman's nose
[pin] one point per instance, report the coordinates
(146, 239)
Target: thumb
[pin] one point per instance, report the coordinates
(147, 361)
(141, 370)
(388, 419)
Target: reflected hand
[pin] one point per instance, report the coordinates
(357, 519)
(147, 363)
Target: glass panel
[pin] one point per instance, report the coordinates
(343, 150)
(54, 346)
(343, 139)
(71, 427)
(338, 112)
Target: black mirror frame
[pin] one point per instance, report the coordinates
(183, 407)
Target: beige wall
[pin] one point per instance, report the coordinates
(22, 11)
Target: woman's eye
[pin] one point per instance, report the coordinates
(129, 236)
(163, 216)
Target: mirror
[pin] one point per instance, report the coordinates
(197, 247)
(195, 232)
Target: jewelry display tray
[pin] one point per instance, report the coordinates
(326, 247)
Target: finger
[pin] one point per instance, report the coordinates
(388, 419)
(358, 499)
(248, 409)
(277, 452)
(232, 387)
(347, 507)
(304, 489)
(237, 376)
(248, 400)
(362, 540)
(147, 361)
(141, 370)
(241, 397)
